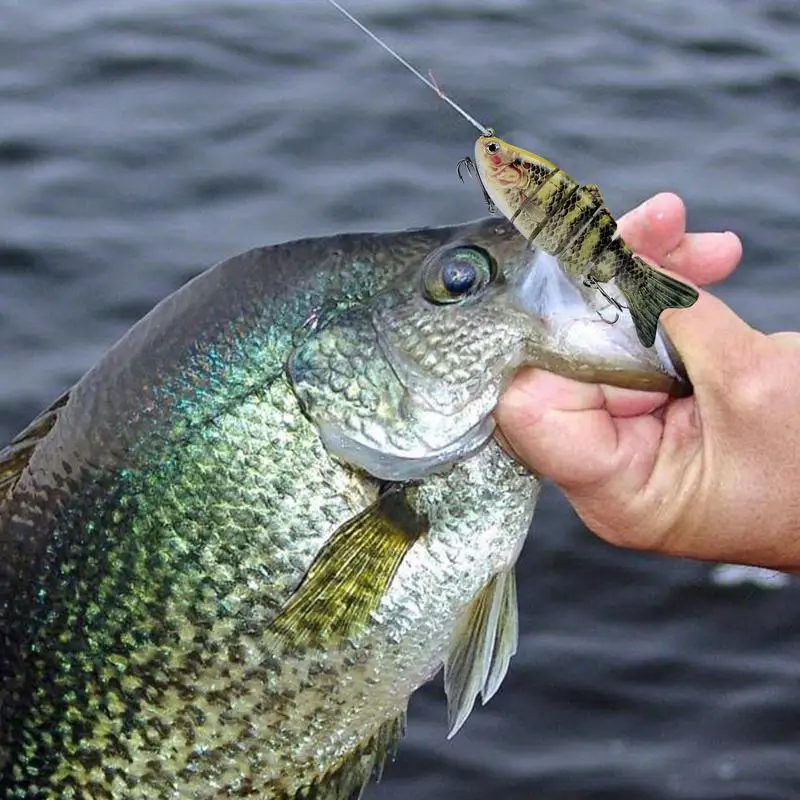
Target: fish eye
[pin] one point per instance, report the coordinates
(455, 273)
(493, 147)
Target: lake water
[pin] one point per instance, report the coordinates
(142, 141)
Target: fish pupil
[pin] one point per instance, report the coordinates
(459, 277)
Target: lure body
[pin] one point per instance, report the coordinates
(569, 220)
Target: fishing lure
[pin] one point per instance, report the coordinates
(570, 221)
(563, 217)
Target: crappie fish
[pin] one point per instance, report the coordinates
(235, 547)
(571, 221)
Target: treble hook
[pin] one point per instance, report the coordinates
(468, 165)
(593, 283)
(608, 321)
(490, 206)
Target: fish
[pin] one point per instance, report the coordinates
(235, 547)
(570, 220)
(558, 214)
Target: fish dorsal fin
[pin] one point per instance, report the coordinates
(483, 642)
(15, 457)
(351, 573)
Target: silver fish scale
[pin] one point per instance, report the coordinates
(237, 524)
(452, 350)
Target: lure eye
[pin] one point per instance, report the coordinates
(456, 273)
(492, 147)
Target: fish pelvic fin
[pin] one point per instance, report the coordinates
(15, 456)
(481, 648)
(648, 293)
(351, 573)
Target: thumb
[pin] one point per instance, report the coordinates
(713, 342)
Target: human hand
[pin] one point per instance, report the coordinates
(715, 476)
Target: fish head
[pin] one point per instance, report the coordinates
(507, 172)
(404, 383)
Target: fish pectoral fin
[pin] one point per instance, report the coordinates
(15, 457)
(649, 297)
(481, 648)
(351, 573)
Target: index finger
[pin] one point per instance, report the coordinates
(655, 227)
(657, 230)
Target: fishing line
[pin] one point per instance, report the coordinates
(430, 84)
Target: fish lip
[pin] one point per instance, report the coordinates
(683, 386)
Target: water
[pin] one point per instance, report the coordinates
(142, 141)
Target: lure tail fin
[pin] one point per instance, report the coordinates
(649, 297)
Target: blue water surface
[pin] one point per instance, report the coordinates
(141, 141)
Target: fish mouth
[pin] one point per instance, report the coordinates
(562, 329)
(590, 334)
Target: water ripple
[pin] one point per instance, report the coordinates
(141, 142)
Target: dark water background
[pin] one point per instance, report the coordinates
(142, 140)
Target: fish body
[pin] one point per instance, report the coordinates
(237, 545)
(570, 221)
